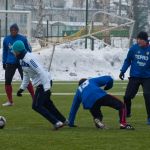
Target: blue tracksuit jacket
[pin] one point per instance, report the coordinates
(8, 56)
(139, 60)
(88, 93)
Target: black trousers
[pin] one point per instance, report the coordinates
(10, 71)
(44, 105)
(132, 89)
(110, 101)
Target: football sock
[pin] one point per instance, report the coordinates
(31, 89)
(8, 89)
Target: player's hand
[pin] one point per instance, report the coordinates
(121, 76)
(4, 66)
(106, 88)
(19, 93)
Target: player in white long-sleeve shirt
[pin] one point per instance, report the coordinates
(41, 80)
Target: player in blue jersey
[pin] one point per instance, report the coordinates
(138, 59)
(11, 63)
(91, 94)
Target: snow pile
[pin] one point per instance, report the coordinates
(72, 63)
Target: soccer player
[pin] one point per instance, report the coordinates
(138, 59)
(11, 63)
(41, 80)
(92, 96)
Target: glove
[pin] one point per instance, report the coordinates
(4, 66)
(19, 93)
(51, 83)
(47, 94)
(121, 76)
(106, 88)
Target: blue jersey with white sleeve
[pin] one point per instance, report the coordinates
(88, 93)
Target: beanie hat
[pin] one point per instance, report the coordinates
(81, 81)
(14, 26)
(143, 36)
(18, 46)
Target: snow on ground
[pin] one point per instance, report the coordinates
(72, 63)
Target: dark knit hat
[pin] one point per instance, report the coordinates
(14, 26)
(81, 81)
(143, 36)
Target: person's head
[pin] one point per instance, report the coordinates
(142, 39)
(14, 29)
(81, 81)
(18, 48)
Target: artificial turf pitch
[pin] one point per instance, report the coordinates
(27, 130)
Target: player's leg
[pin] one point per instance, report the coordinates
(38, 105)
(115, 103)
(96, 111)
(97, 114)
(53, 110)
(146, 94)
(9, 73)
(30, 87)
(131, 91)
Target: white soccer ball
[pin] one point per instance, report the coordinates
(2, 122)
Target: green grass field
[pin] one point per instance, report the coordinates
(27, 130)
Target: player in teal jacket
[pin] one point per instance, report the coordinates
(93, 97)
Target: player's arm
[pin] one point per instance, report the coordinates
(105, 81)
(40, 71)
(27, 45)
(25, 81)
(127, 61)
(74, 108)
(24, 84)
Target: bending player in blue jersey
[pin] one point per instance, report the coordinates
(138, 59)
(93, 97)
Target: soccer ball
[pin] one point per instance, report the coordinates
(2, 122)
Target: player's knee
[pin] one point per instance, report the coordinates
(7, 82)
(120, 105)
(127, 99)
(35, 106)
(146, 96)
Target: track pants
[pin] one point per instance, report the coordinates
(110, 101)
(44, 105)
(132, 89)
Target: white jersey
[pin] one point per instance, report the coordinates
(34, 71)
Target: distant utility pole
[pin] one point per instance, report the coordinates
(6, 21)
(86, 21)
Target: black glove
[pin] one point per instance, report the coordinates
(121, 75)
(4, 66)
(47, 94)
(19, 93)
(106, 88)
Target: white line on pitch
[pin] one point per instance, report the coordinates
(113, 93)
